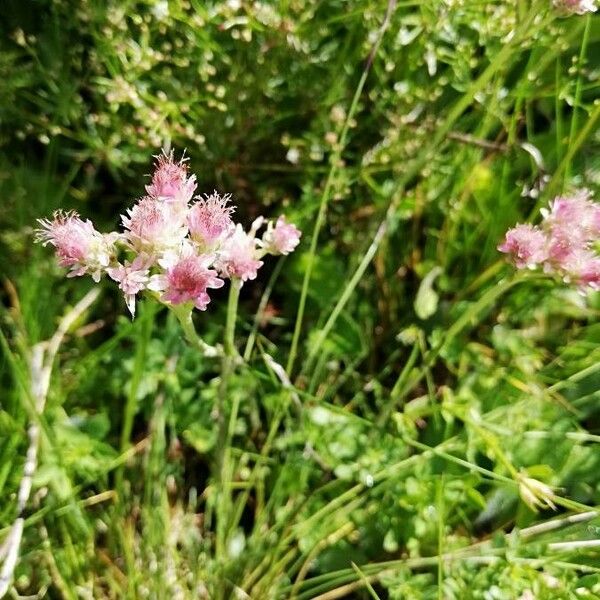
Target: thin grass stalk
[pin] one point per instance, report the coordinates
(41, 362)
(281, 375)
(346, 294)
(309, 557)
(328, 589)
(574, 147)
(468, 317)
(264, 300)
(578, 91)
(365, 582)
(500, 60)
(146, 325)
(222, 468)
(335, 165)
(558, 117)
(441, 533)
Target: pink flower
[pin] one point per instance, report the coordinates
(561, 247)
(170, 182)
(133, 277)
(209, 220)
(79, 246)
(187, 280)
(238, 256)
(577, 215)
(170, 246)
(572, 222)
(577, 7)
(589, 276)
(526, 244)
(564, 245)
(281, 238)
(582, 268)
(154, 226)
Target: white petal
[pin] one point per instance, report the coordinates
(157, 283)
(130, 301)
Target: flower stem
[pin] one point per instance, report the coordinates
(232, 304)
(226, 426)
(142, 340)
(183, 312)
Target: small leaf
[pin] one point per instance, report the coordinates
(426, 301)
(200, 438)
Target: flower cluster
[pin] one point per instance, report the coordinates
(173, 243)
(563, 244)
(575, 7)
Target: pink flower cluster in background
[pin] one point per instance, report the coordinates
(563, 244)
(173, 243)
(576, 7)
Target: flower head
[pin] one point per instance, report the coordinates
(589, 275)
(582, 268)
(133, 277)
(238, 256)
(170, 182)
(154, 226)
(187, 279)
(535, 493)
(572, 222)
(564, 242)
(578, 214)
(168, 245)
(282, 238)
(78, 245)
(209, 220)
(526, 244)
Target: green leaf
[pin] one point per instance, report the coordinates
(426, 301)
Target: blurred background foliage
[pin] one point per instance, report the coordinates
(472, 114)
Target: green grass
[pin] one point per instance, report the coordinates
(402, 387)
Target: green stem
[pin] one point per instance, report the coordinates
(412, 170)
(142, 341)
(228, 356)
(578, 90)
(441, 535)
(183, 312)
(232, 304)
(261, 309)
(558, 117)
(574, 147)
(225, 426)
(335, 166)
(400, 382)
(225, 505)
(348, 290)
(470, 316)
